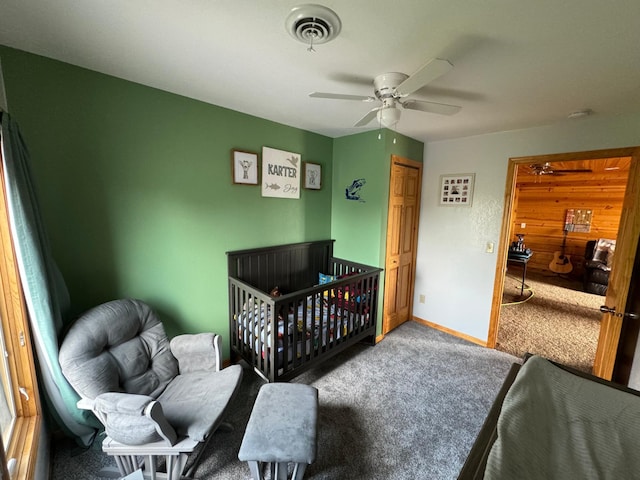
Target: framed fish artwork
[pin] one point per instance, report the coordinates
(280, 173)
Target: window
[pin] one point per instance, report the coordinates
(7, 404)
(21, 390)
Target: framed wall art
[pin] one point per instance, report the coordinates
(244, 167)
(578, 220)
(312, 176)
(280, 173)
(457, 190)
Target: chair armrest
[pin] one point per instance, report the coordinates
(197, 352)
(590, 265)
(133, 419)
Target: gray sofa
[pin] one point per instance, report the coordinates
(550, 421)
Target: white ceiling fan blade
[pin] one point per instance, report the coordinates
(431, 70)
(431, 107)
(367, 118)
(340, 96)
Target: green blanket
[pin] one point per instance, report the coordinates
(556, 425)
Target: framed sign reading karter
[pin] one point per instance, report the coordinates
(457, 189)
(280, 173)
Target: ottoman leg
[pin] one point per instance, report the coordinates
(298, 471)
(281, 470)
(256, 471)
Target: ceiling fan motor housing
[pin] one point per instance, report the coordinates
(312, 23)
(385, 85)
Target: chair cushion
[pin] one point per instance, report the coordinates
(193, 403)
(195, 352)
(119, 346)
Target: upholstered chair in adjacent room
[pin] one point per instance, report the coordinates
(598, 259)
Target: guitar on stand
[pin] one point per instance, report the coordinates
(561, 263)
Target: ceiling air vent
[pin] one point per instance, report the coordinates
(313, 24)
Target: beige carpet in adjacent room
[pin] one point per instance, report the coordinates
(554, 318)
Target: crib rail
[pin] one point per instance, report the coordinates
(250, 335)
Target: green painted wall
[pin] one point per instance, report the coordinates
(355, 224)
(136, 193)
(360, 227)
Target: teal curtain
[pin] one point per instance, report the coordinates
(45, 292)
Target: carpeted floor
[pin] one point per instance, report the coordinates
(554, 318)
(408, 408)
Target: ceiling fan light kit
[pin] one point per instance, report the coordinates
(389, 115)
(313, 24)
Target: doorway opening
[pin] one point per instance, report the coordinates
(560, 210)
(545, 235)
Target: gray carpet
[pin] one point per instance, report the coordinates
(408, 408)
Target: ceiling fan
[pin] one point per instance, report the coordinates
(547, 169)
(392, 89)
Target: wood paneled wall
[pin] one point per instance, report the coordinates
(542, 201)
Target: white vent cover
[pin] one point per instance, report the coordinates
(313, 24)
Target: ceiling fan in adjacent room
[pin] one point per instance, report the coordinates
(547, 169)
(392, 89)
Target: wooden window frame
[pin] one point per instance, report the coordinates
(15, 324)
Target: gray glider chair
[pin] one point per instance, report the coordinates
(155, 397)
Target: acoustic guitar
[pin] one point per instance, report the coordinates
(561, 263)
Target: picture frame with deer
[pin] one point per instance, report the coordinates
(244, 167)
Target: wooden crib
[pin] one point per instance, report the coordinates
(282, 336)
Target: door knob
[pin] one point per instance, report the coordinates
(612, 311)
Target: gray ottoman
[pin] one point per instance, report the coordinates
(281, 430)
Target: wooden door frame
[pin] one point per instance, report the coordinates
(397, 160)
(626, 246)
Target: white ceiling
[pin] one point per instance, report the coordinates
(517, 63)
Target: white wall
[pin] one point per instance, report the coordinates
(453, 271)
